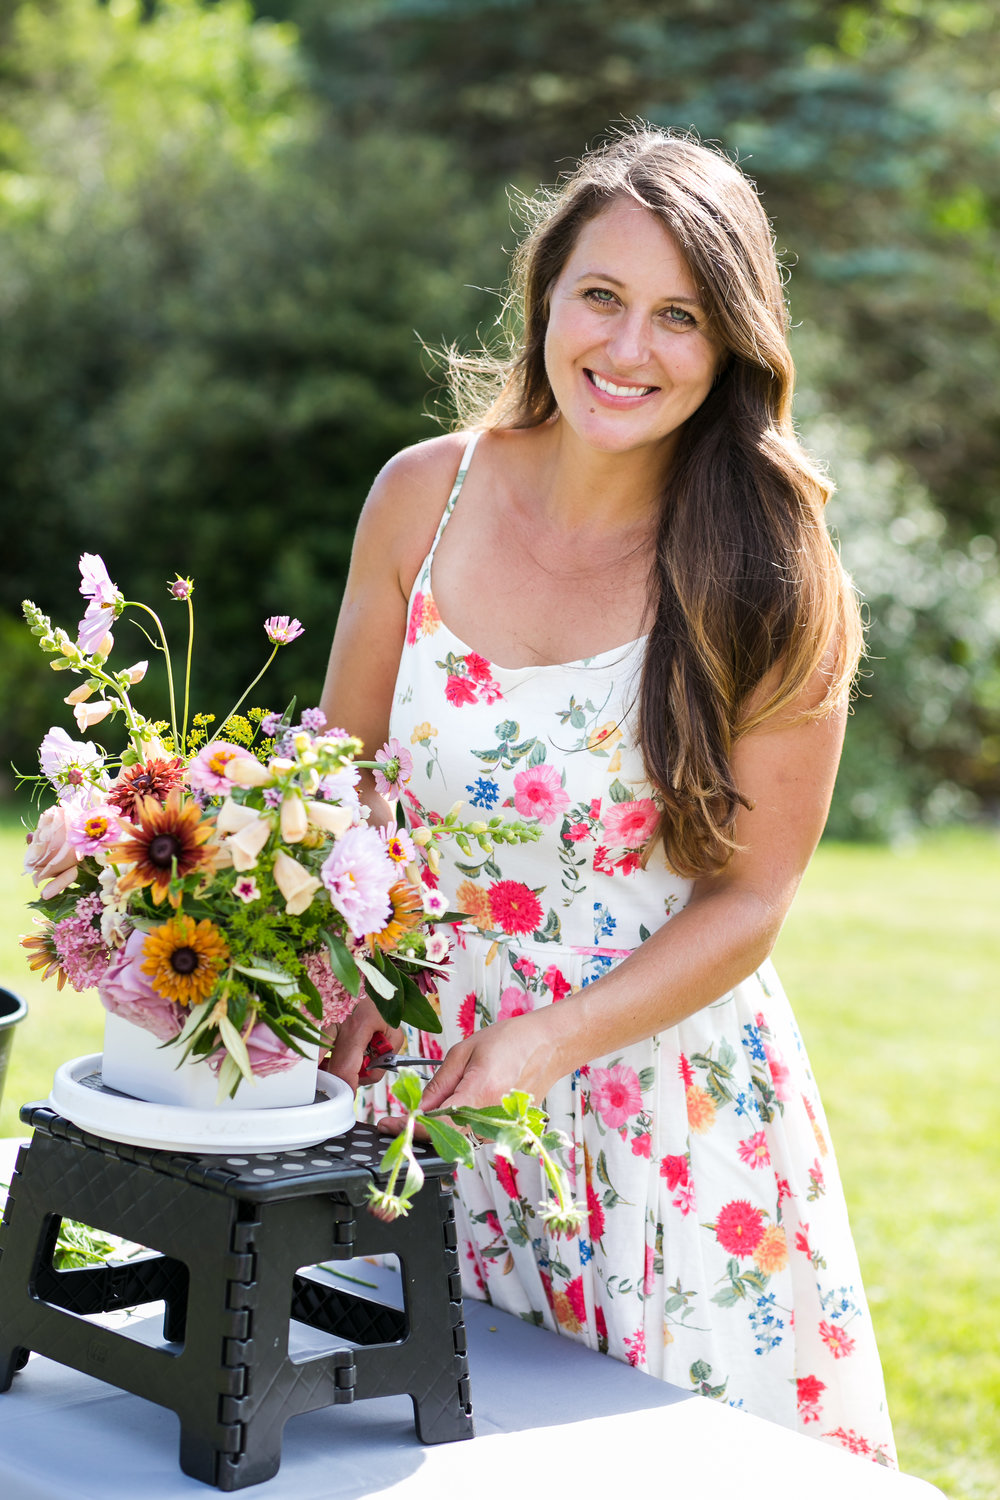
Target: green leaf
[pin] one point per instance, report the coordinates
(406, 1088)
(647, 1077)
(266, 973)
(342, 963)
(449, 1143)
(376, 981)
(620, 793)
(311, 997)
(507, 730)
(235, 1046)
(417, 1009)
(537, 753)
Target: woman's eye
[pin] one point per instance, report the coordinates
(679, 317)
(601, 296)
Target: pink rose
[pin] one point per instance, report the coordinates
(50, 854)
(267, 1053)
(126, 992)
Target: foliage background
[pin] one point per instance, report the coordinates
(226, 231)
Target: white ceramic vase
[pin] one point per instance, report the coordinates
(136, 1063)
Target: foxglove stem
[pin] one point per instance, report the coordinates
(136, 604)
(244, 696)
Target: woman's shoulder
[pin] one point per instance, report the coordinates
(406, 502)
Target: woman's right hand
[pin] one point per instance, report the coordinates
(347, 1059)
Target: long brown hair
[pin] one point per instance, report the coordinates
(746, 584)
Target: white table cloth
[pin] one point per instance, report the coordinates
(550, 1417)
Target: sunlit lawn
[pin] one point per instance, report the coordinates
(893, 963)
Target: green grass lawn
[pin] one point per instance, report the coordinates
(892, 959)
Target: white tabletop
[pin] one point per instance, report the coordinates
(549, 1416)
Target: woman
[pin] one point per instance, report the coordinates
(629, 627)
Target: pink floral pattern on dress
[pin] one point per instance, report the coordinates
(716, 1252)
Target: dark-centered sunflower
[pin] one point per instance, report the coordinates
(174, 831)
(182, 959)
(407, 910)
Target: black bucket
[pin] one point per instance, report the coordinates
(12, 1010)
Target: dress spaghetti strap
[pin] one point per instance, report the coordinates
(456, 490)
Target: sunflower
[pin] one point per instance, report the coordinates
(174, 832)
(155, 778)
(183, 959)
(44, 954)
(407, 911)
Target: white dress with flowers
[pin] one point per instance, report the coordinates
(717, 1253)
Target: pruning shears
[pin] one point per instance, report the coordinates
(379, 1056)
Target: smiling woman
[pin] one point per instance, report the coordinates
(614, 606)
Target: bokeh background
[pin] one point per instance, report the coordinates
(232, 236)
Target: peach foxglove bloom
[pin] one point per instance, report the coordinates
(329, 817)
(89, 714)
(79, 695)
(295, 883)
(294, 823)
(248, 771)
(249, 832)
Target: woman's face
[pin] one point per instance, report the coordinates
(627, 350)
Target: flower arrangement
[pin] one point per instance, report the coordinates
(227, 893)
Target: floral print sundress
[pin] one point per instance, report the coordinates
(717, 1252)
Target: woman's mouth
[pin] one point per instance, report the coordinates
(616, 388)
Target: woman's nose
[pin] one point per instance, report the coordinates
(628, 345)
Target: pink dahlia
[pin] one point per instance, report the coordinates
(739, 1227)
(359, 874)
(539, 793)
(628, 825)
(615, 1094)
(514, 907)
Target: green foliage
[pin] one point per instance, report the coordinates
(204, 363)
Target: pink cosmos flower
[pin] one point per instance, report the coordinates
(74, 767)
(539, 793)
(181, 588)
(514, 1002)
(615, 1094)
(125, 991)
(396, 763)
(207, 771)
(281, 631)
(629, 825)
(358, 875)
(105, 604)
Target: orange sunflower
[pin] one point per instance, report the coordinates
(182, 959)
(407, 910)
(173, 832)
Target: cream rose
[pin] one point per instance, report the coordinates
(50, 855)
